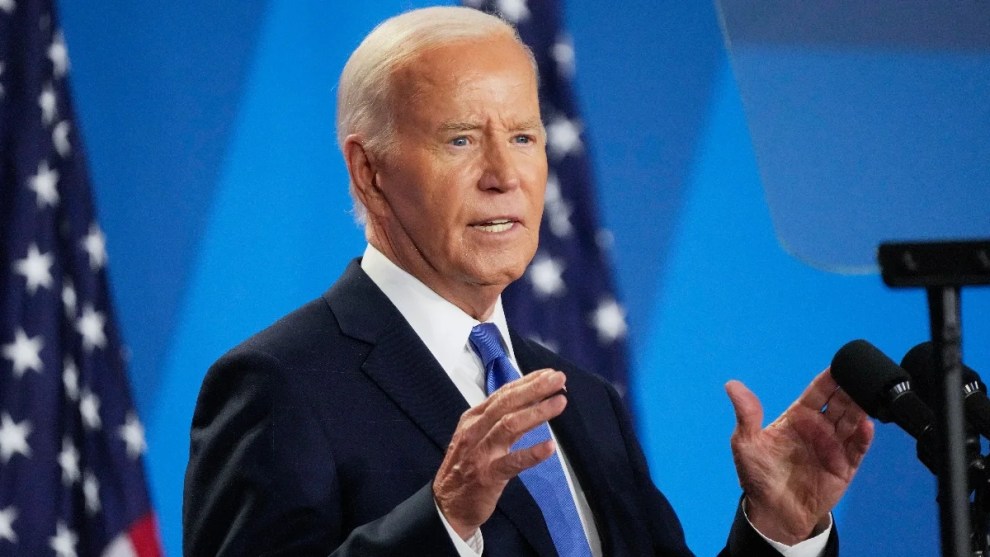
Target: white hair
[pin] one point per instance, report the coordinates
(364, 97)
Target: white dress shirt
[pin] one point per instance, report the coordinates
(444, 328)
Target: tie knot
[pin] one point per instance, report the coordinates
(487, 342)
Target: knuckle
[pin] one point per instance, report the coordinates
(509, 424)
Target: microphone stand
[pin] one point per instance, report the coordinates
(943, 268)
(980, 507)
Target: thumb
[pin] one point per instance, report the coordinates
(749, 411)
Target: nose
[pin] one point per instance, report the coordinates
(499, 172)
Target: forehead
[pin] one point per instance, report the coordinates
(490, 70)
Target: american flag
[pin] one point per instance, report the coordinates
(566, 301)
(71, 473)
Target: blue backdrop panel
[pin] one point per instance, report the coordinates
(158, 86)
(645, 76)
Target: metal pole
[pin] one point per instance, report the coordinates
(944, 309)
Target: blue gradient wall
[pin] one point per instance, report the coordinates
(209, 130)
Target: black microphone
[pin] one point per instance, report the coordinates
(919, 362)
(883, 390)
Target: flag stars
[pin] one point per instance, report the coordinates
(13, 438)
(49, 104)
(70, 379)
(69, 298)
(91, 492)
(563, 137)
(95, 244)
(545, 342)
(604, 239)
(8, 6)
(24, 353)
(132, 432)
(558, 210)
(90, 325)
(559, 219)
(60, 138)
(89, 408)
(609, 319)
(45, 185)
(545, 276)
(68, 460)
(513, 10)
(64, 542)
(59, 55)
(562, 52)
(36, 268)
(619, 388)
(7, 518)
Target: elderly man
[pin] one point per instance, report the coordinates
(390, 417)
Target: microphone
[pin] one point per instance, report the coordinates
(883, 390)
(919, 362)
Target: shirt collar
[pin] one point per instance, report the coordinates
(441, 325)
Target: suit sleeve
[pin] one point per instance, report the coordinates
(262, 481)
(665, 527)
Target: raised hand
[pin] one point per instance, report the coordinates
(479, 461)
(796, 469)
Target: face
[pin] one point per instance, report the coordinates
(461, 194)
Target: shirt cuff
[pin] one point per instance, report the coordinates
(812, 547)
(473, 547)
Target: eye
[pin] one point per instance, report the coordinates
(523, 139)
(460, 141)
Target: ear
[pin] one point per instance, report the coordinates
(362, 167)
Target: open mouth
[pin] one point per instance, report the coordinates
(497, 225)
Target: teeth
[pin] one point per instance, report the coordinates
(496, 226)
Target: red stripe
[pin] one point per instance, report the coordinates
(144, 537)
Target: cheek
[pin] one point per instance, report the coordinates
(449, 190)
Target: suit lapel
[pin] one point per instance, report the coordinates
(398, 362)
(403, 367)
(577, 439)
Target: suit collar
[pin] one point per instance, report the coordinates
(398, 362)
(401, 365)
(574, 433)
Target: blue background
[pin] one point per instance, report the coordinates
(209, 129)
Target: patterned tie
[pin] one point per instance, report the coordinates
(545, 481)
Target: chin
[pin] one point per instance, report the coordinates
(501, 275)
(500, 269)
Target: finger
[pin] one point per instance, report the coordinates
(512, 464)
(477, 422)
(840, 399)
(818, 393)
(749, 411)
(838, 405)
(859, 442)
(511, 427)
(864, 434)
(522, 393)
(848, 423)
(843, 411)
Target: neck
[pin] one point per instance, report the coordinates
(476, 300)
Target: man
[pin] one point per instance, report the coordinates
(360, 425)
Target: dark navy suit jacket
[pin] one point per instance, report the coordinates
(322, 434)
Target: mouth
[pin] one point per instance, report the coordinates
(495, 225)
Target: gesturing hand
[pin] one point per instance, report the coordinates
(796, 469)
(480, 461)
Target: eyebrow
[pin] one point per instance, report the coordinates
(458, 127)
(470, 126)
(529, 125)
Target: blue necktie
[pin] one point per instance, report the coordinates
(545, 481)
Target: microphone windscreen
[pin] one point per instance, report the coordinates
(867, 375)
(919, 362)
